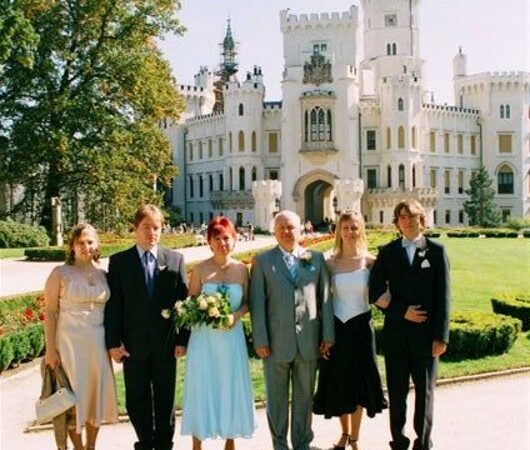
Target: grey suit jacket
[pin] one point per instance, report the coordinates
(288, 315)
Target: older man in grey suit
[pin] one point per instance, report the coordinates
(292, 319)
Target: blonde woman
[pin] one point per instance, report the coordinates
(348, 379)
(75, 297)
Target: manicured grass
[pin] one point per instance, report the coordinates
(480, 268)
(11, 253)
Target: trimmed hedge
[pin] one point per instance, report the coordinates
(19, 235)
(24, 344)
(463, 234)
(514, 306)
(472, 335)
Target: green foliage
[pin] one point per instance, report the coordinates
(518, 223)
(15, 235)
(472, 335)
(45, 254)
(517, 306)
(84, 89)
(21, 345)
(481, 207)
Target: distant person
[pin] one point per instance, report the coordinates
(250, 230)
(218, 400)
(416, 329)
(292, 321)
(75, 297)
(144, 280)
(349, 380)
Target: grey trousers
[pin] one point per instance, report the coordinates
(300, 375)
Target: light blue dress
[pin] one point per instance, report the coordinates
(218, 400)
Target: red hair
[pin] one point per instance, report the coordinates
(220, 225)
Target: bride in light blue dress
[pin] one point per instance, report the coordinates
(218, 399)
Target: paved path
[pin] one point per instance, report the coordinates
(481, 415)
(19, 276)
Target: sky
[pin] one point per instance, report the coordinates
(494, 34)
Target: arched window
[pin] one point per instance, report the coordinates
(200, 149)
(221, 182)
(319, 125)
(502, 111)
(413, 176)
(220, 146)
(241, 178)
(389, 176)
(413, 136)
(505, 180)
(388, 138)
(507, 111)
(241, 141)
(400, 104)
(401, 176)
(401, 137)
(253, 142)
(394, 49)
(210, 148)
(201, 187)
(210, 184)
(230, 143)
(254, 174)
(231, 179)
(191, 187)
(241, 109)
(388, 49)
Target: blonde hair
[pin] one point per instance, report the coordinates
(77, 231)
(147, 211)
(361, 243)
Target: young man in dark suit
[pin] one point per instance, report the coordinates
(144, 280)
(416, 331)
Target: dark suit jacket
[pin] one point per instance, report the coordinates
(425, 283)
(131, 316)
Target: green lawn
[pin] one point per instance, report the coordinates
(480, 268)
(11, 252)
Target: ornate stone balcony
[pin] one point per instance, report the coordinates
(381, 197)
(232, 199)
(318, 151)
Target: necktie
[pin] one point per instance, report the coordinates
(291, 265)
(149, 271)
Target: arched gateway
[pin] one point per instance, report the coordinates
(313, 195)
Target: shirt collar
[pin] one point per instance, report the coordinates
(141, 251)
(419, 242)
(296, 251)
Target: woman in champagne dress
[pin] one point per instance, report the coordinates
(218, 400)
(349, 379)
(75, 296)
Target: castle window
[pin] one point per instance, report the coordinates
(388, 49)
(413, 136)
(241, 109)
(241, 178)
(473, 144)
(241, 141)
(371, 178)
(273, 174)
(401, 176)
(447, 216)
(220, 146)
(210, 182)
(201, 187)
(200, 150)
(254, 174)
(230, 143)
(273, 142)
(460, 143)
(435, 216)
(388, 138)
(394, 48)
(221, 182)
(389, 176)
(400, 104)
(502, 111)
(401, 137)
(320, 125)
(210, 148)
(507, 111)
(253, 141)
(432, 178)
(191, 187)
(460, 181)
(446, 143)
(505, 214)
(413, 176)
(306, 126)
(370, 140)
(231, 179)
(190, 150)
(505, 143)
(390, 20)
(447, 182)
(432, 141)
(505, 180)
(460, 216)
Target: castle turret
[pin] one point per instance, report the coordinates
(227, 68)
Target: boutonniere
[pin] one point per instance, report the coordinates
(422, 253)
(306, 258)
(162, 268)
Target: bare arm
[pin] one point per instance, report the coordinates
(51, 306)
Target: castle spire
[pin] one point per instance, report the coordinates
(227, 68)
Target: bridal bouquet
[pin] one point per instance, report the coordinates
(203, 309)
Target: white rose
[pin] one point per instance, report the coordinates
(213, 312)
(203, 304)
(165, 313)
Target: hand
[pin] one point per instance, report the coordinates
(414, 314)
(325, 348)
(180, 350)
(118, 353)
(384, 300)
(52, 359)
(232, 319)
(263, 352)
(438, 348)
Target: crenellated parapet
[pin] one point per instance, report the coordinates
(446, 109)
(390, 197)
(205, 118)
(498, 81)
(291, 22)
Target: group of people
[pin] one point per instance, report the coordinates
(309, 315)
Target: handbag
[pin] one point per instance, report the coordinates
(54, 405)
(56, 395)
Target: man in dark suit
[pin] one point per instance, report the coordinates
(292, 320)
(144, 280)
(416, 330)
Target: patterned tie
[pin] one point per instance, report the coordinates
(149, 271)
(290, 262)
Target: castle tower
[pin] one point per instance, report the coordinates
(459, 71)
(227, 68)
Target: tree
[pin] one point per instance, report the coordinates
(481, 207)
(80, 112)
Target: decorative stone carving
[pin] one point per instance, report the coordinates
(348, 192)
(318, 71)
(232, 200)
(266, 194)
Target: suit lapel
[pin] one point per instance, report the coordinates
(137, 270)
(161, 265)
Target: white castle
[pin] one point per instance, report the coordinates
(345, 135)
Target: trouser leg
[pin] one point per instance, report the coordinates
(277, 386)
(303, 382)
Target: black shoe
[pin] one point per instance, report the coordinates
(338, 447)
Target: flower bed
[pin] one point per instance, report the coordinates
(517, 306)
(472, 335)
